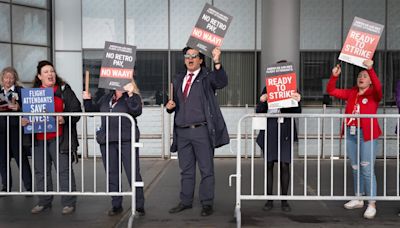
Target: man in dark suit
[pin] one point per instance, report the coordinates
(199, 126)
(10, 102)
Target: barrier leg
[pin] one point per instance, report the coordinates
(238, 216)
(130, 222)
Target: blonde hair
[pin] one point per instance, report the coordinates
(11, 70)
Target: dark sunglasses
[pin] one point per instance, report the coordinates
(191, 56)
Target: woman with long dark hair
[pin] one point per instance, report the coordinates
(46, 146)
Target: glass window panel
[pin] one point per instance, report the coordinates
(184, 15)
(240, 89)
(68, 21)
(315, 70)
(147, 23)
(373, 10)
(26, 59)
(102, 20)
(37, 3)
(5, 55)
(321, 24)
(92, 63)
(152, 76)
(29, 26)
(240, 34)
(393, 28)
(5, 22)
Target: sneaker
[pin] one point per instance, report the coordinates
(352, 204)
(115, 211)
(370, 212)
(39, 208)
(140, 211)
(67, 210)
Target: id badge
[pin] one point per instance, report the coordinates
(352, 130)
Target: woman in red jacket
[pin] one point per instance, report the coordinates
(363, 98)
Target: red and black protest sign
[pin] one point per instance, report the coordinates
(117, 66)
(361, 41)
(280, 82)
(209, 30)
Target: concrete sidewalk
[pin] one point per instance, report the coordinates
(162, 185)
(164, 194)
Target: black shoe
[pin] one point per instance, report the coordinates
(285, 206)
(268, 205)
(115, 211)
(140, 211)
(207, 210)
(179, 208)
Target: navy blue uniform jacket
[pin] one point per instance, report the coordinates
(211, 81)
(131, 105)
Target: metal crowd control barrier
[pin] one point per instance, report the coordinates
(85, 172)
(314, 167)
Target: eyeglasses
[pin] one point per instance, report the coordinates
(191, 56)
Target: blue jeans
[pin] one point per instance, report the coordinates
(363, 164)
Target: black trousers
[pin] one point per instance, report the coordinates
(194, 147)
(113, 172)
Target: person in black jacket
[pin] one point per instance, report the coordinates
(272, 145)
(46, 146)
(199, 126)
(10, 98)
(127, 102)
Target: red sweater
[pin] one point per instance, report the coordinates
(368, 102)
(58, 107)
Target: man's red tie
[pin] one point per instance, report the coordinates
(187, 86)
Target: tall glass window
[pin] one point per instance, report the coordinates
(102, 20)
(152, 76)
(25, 35)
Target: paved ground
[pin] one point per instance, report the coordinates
(162, 191)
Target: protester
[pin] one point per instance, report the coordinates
(10, 98)
(128, 101)
(46, 146)
(272, 145)
(199, 126)
(363, 98)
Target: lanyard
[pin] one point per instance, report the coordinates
(356, 110)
